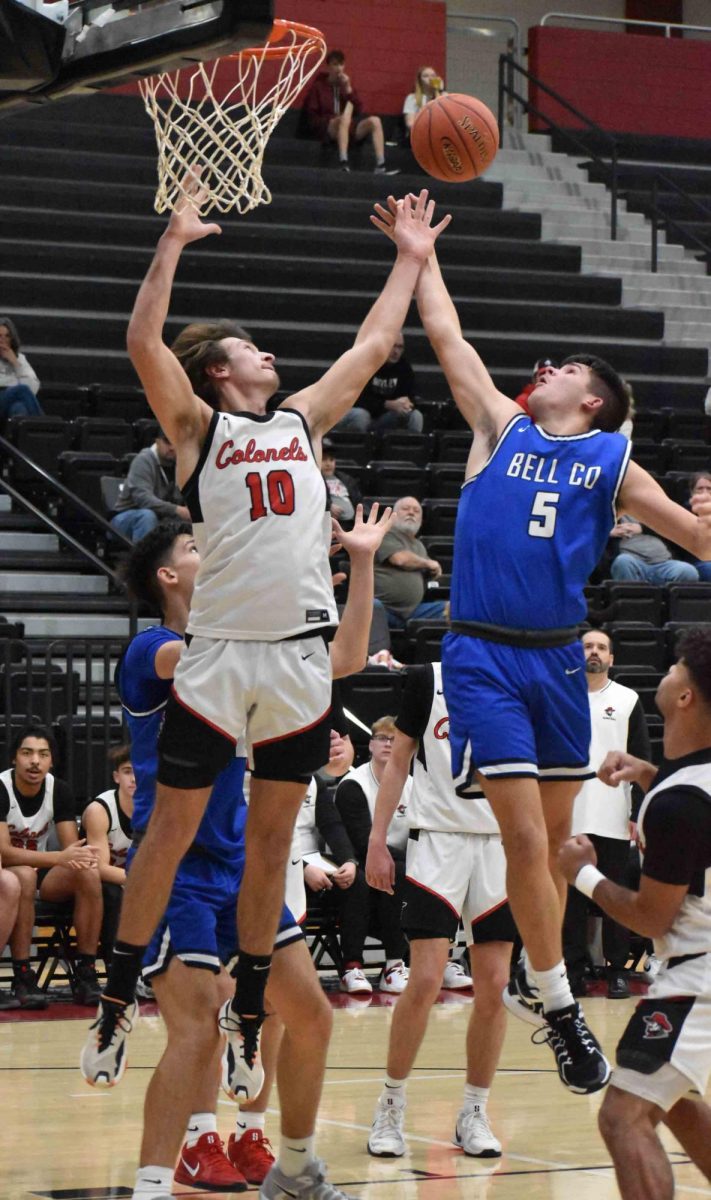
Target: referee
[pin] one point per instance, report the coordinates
(664, 1055)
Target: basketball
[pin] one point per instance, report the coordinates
(455, 138)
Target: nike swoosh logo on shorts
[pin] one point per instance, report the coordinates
(305, 656)
(574, 670)
(190, 1170)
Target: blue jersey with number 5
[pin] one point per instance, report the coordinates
(533, 524)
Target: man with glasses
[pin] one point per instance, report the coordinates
(355, 801)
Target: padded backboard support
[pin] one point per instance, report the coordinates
(53, 48)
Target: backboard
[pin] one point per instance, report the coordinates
(54, 48)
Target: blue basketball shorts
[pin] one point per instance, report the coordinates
(199, 924)
(522, 712)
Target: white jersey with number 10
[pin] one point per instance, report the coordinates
(261, 522)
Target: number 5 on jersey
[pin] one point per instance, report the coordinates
(280, 494)
(543, 514)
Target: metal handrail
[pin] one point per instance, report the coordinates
(667, 26)
(8, 448)
(506, 61)
(610, 169)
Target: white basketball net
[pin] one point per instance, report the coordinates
(227, 136)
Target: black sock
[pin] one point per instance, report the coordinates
(19, 965)
(86, 960)
(251, 979)
(124, 973)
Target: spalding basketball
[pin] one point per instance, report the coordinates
(455, 138)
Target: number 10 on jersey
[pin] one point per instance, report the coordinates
(279, 494)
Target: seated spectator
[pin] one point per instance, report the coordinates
(701, 488)
(342, 488)
(107, 824)
(402, 568)
(9, 905)
(18, 382)
(33, 804)
(645, 557)
(428, 86)
(542, 368)
(388, 399)
(355, 801)
(334, 113)
(149, 493)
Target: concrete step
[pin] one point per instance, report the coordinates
(5, 503)
(687, 332)
(28, 581)
(589, 224)
(36, 542)
(531, 187)
(598, 261)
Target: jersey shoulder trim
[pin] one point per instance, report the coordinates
(191, 490)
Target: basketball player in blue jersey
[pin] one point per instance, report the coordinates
(197, 930)
(536, 508)
(257, 664)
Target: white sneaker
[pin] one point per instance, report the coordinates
(652, 966)
(394, 979)
(242, 1071)
(386, 1140)
(311, 1185)
(103, 1057)
(473, 1134)
(355, 983)
(455, 977)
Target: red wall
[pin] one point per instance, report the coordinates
(628, 83)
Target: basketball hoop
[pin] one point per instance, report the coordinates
(227, 136)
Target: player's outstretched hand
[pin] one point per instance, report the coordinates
(185, 221)
(620, 767)
(408, 222)
(575, 854)
(701, 508)
(366, 536)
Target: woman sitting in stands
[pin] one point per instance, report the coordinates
(18, 382)
(428, 86)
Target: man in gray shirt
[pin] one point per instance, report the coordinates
(644, 558)
(149, 493)
(402, 567)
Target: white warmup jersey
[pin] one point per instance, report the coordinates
(598, 808)
(259, 508)
(399, 827)
(691, 929)
(29, 833)
(119, 835)
(439, 802)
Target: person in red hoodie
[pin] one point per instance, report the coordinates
(334, 113)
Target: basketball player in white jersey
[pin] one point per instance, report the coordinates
(106, 820)
(456, 867)
(664, 1055)
(257, 663)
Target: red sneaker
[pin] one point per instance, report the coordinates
(205, 1165)
(251, 1154)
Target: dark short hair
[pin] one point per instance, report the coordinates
(139, 571)
(12, 330)
(118, 755)
(335, 56)
(694, 650)
(609, 387)
(198, 347)
(596, 629)
(33, 729)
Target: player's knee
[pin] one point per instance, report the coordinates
(526, 846)
(488, 990)
(611, 1119)
(27, 879)
(10, 888)
(424, 983)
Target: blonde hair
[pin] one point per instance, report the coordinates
(419, 91)
(383, 725)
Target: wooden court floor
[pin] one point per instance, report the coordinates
(64, 1140)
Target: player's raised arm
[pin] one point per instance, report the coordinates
(324, 403)
(643, 498)
(349, 648)
(182, 415)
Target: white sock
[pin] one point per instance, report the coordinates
(553, 987)
(394, 1089)
(295, 1154)
(153, 1183)
(250, 1120)
(475, 1098)
(199, 1123)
